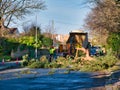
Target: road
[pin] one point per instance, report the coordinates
(8, 65)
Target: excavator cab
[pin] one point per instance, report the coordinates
(77, 39)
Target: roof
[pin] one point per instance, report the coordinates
(77, 31)
(73, 35)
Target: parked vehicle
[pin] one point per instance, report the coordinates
(96, 51)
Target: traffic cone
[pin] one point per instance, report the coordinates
(17, 61)
(3, 61)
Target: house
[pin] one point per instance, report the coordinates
(4, 30)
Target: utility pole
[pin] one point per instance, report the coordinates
(36, 39)
(53, 32)
(52, 28)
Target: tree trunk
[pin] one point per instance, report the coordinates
(2, 27)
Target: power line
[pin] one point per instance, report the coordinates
(62, 22)
(66, 23)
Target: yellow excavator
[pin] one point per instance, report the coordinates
(78, 41)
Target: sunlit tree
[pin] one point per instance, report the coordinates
(104, 18)
(11, 10)
(18, 8)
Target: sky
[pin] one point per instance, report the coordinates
(67, 15)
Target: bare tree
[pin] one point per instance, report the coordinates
(105, 15)
(50, 30)
(104, 18)
(11, 9)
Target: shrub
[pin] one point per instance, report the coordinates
(101, 63)
(31, 61)
(37, 64)
(43, 59)
(54, 64)
(24, 63)
(25, 57)
(114, 43)
(25, 60)
(42, 63)
(6, 58)
(46, 65)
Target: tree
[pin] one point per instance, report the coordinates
(104, 18)
(30, 41)
(47, 42)
(11, 9)
(114, 43)
(50, 30)
(104, 21)
(105, 15)
(32, 31)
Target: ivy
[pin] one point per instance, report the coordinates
(30, 41)
(114, 42)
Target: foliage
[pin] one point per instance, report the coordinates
(24, 63)
(114, 43)
(24, 42)
(103, 19)
(33, 31)
(36, 64)
(25, 60)
(25, 57)
(42, 63)
(5, 57)
(53, 64)
(105, 16)
(31, 61)
(47, 41)
(30, 41)
(63, 62)
(11, 43)
(43, 59)
(101, 63)
(7, 44)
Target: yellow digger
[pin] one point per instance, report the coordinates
(78, 41)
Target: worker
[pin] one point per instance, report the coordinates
(51, 51)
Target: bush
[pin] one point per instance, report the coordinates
(54, 64)
(63, 62)
(24, 63)
(31, 61)
(37, 64)
(101, 63)
(114, 43)
(25, 60)
(6, 58)
(47, 41)
(41, 63)
(25, 57)
(44, 59)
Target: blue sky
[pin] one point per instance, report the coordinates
(67, 15)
